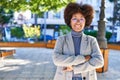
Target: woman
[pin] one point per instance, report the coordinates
(77, 55)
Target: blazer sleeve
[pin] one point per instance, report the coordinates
(60, 59)
(96, 61)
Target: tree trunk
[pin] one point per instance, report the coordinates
(114, 12)
(114, 17)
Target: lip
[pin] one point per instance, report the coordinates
(77, 26)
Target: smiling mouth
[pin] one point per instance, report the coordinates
(77, 26)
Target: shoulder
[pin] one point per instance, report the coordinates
(61, 38)
(90, 38)
(65, 36)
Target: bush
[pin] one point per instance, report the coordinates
(17, 32)
(64, 29)
(94, 33)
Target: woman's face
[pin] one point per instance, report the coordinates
(77, 22)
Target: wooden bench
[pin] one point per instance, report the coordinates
(105, 53)
(5, 53)
(51, 44)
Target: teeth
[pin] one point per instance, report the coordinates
(77, 26)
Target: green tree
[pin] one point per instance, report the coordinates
(36, 6)
(5, 15)
(116, 12)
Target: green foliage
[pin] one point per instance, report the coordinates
(5, 15)
(111, 0)
(31, 32)
(17, 32)
(115, 19)
(64, 29)
(94, 33)
(108, 35)
(36, 6)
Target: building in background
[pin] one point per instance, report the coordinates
(54, 19)
(57, 18)
(96, 5)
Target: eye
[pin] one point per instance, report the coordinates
(82, 20)
(74, 19)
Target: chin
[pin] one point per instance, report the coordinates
(77, 31)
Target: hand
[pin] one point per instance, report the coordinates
(70, 68)
(88, 57)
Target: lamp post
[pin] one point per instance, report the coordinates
(102, 41)
(45, 16)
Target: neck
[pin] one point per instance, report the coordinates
(76, 34)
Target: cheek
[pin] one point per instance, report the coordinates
(71, 24)
(83, 25)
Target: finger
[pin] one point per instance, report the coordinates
(64, 68)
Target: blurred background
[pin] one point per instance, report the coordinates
(40, 21)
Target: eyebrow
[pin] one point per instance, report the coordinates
(80, 16)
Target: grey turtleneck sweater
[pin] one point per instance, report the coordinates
(77, 41)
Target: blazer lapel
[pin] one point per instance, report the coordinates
(70, 43)
(84, 43)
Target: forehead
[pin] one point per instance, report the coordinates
(77, 15)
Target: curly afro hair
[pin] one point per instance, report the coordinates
(86, 10)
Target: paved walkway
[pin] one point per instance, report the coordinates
(36, 64)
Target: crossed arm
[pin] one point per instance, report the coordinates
(78, 63)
